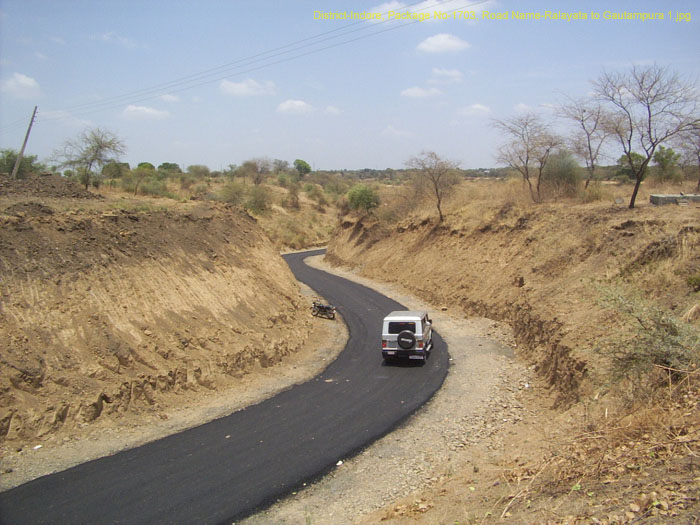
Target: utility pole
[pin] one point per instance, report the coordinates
(24, 144)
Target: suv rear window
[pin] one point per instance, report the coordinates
(397, 327)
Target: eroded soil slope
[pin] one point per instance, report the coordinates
(536, 268)
(106, 312)
(591, 448)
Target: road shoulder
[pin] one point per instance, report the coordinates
(466, 425)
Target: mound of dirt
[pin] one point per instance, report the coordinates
(44, 186)
(28, 208)
(105, 314)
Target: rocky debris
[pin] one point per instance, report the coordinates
(29, 208)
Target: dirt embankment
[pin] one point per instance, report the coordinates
(533, 267)
(106, 312)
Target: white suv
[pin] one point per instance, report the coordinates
(407, 334)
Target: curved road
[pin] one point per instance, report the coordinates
(201, 476)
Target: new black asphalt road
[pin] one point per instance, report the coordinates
(233, 466)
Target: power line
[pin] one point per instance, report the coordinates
(251, 63)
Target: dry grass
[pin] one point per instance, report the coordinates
(620, 444)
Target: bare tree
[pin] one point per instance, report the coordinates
(648, 106)
(256, 169)
(591, 133)
(91, 150)
(438, 173)
(528, 149)
(280, 166)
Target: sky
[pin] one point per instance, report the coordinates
(219, 82)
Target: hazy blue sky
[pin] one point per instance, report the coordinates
(209, 82)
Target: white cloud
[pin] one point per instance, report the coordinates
(40, 56)
(522, 108)
(247, 88)
(170, 98)
(144, 113)
(294, 107)
(442, 43)
(419, 92)
(332, 110)
(21, 86)
(114, 38)
(475, 110)
(391, 131)
(58, 40)
(446, 76)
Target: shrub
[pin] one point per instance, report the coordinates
(362, 198)
(258, 201)
(694, 282)
(186, 180)
(657, 348)
(233, 193)
(593, 193)
(154, 187)
(560, 176)
(291, 201)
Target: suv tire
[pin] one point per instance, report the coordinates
(406, 339)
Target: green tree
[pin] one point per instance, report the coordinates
(146, 165)
(302, 167)
(666, 161)
(623, 165)
(29, 164)
(169, 167)
(92, 149)
(114, 170)
(363, 198)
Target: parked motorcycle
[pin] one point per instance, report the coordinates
(323, 310)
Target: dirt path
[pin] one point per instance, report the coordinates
(466, 424)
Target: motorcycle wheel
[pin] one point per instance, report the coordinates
(314, 311)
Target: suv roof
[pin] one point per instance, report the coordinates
(412, 315)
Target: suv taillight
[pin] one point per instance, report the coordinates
(383, 343)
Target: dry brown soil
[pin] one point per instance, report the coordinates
(593, 447)
(124, 320)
